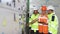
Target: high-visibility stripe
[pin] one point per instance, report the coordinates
(34, 29)
(43, 17)
(50, 31)
(40, 24)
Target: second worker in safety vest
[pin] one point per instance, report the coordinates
(33, 23)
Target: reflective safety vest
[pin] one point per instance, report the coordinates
(43, 18)
(53, 23)
(34, 26)
(43, 21)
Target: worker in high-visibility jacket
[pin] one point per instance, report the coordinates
(34, 24)
(43, 21)
(53, 20)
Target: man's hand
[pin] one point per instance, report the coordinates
(33, 21)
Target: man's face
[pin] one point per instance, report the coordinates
(49, 11)
(44, 12)
(35, 11)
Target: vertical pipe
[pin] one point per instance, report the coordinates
(14, 17)
(27, 17)
(14, 2)
(0, 1)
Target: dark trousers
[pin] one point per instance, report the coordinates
(32, 32)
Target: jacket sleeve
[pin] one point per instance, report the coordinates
(30, 19)
(54, 23)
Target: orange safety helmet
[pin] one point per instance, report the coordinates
(43, 8)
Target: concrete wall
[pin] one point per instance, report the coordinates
(7, 23)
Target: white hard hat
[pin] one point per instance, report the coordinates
(35, 8)
(50, 7)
